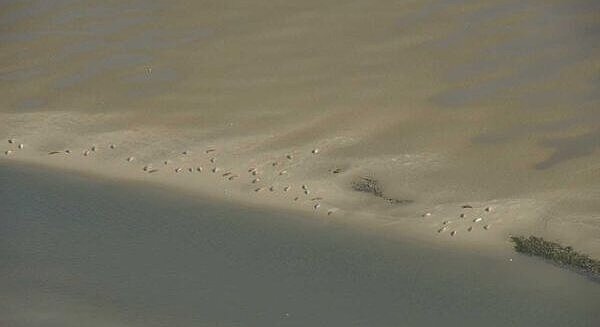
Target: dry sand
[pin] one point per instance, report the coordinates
(491, 104)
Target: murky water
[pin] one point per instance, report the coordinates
(77, 251)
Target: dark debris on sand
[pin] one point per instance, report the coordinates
(372, 186)
(561, 255)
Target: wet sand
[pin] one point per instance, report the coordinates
(481, 103)
(79, 250)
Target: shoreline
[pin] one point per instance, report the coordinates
(370, 223)
(112, 243)
(410, 194)
(368, 226)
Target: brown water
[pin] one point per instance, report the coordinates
(78, 251)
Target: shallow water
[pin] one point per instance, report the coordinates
(77, 251)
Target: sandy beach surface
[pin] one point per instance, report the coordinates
(488, 104)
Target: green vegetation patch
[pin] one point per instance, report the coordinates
(562, 255)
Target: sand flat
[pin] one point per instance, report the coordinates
(487, 103)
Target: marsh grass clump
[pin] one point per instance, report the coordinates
(562, 255)
(372, 186)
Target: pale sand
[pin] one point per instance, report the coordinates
(235, 156)
(486, 103)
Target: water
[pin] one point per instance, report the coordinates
(77, 251)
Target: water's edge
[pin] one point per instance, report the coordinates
(81, 251)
